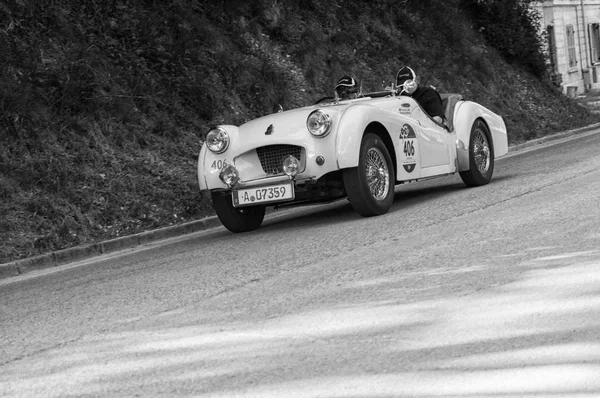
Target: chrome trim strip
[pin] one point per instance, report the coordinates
(270, 181)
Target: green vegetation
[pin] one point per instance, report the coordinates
(103, 104)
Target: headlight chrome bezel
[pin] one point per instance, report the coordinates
(229, 175)
(217, 140)
(318, 123)
(291, 166)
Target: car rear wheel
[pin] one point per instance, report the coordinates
(481, 156)
(237, 219)
(370, 186)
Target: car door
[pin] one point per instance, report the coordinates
(422, 147)
(433, 139)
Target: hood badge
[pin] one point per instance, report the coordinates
(270, 130)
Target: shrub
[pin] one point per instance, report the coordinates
(512, 27)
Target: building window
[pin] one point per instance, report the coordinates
(571, 47)
(552, 47)
(594, 30)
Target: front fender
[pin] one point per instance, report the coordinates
(209, 176)
(465, 114)
(351, 127)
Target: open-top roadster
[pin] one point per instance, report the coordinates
(358, 148)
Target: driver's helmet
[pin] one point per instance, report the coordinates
(406, 80)
(346, 88)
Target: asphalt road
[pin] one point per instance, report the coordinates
(490, 291)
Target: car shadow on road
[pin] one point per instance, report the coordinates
(341, 211)
(407, 196)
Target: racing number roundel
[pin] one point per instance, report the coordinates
(408, 141)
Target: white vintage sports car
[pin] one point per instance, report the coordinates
(358, 148)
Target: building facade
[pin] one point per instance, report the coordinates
(572, 29)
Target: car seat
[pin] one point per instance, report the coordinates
(449, 101)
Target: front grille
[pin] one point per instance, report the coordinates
(271, 156)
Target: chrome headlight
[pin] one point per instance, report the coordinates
(318, 123)
(291, 166)
(229, 175)
(217, 140)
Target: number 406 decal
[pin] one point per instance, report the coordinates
(409, 148)
(218, 164)
(408, 137)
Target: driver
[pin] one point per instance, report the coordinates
(427, 97)
(346, 88)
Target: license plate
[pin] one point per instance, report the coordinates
(266, 194)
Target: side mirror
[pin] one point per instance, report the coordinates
(277, 108)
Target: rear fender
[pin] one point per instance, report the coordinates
(465, 114)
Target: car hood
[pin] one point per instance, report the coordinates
(285, 126)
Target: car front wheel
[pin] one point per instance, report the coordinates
(370, 186)
(237, 219)
(481, 156)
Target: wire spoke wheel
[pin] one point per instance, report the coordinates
(370, 185)
(377, 174)
(481, 151)
(481, 156)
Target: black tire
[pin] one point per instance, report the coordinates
(481, 156)
(237, 219)
(370, 186)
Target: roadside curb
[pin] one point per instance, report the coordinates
(79, 253)
(553, 137)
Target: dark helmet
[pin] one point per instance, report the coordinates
(406, 80)
(345, 87)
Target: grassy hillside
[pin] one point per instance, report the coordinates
(103, 104)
